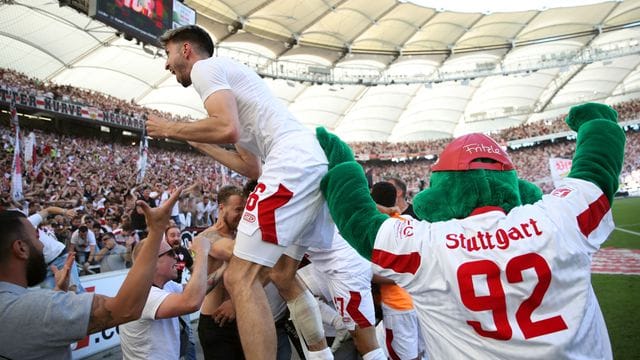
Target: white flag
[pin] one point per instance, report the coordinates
(16, 167)
(142, 159)
(559, 169)
(29, 154)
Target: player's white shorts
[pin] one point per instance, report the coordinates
(351, 295)
(400, 333)
(286, 207)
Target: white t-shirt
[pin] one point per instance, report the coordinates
(52, 247)
(148, 338)
(496, 286)
(83, 244)
(264, 120)
(175, 210)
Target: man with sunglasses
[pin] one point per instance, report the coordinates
(156, 335)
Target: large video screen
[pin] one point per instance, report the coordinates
(182, 14)
(144, 20)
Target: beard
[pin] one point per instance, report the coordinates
(36, 267)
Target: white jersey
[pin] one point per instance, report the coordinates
(496, 286)
(264, 120)
(340, 260)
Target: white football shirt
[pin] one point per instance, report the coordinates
(505, 286)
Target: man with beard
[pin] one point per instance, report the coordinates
(185, 261)
(42, 323)
(218, 334)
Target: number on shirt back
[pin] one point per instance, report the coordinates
(496, 302)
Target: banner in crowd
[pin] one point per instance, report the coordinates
(142, 157)
(559, 169)
(16, 166)
(41, 102)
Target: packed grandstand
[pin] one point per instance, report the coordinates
(396, 100)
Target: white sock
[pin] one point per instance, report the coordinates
(324, 354)
(376, 354)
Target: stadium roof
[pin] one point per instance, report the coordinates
(383, 70)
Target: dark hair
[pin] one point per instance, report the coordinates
(191, 33)
(171, 227)
(228, 191)
(384, 193)
(83, 229)
(12, 229)
(400, 184)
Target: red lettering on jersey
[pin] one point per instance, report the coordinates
(501, 238)
(562, 192)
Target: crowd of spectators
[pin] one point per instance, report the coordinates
(32, 86)
(627, 110)
(98, 179)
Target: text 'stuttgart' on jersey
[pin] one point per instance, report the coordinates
(496, 286)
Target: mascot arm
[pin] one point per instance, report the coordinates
(599, 147)
(352, 209)
(346, 190)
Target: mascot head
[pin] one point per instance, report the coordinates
(472, 172)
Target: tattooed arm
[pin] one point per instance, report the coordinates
(127, 305)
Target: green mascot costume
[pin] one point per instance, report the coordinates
(495, 269)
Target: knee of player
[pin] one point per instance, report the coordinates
(281, 279)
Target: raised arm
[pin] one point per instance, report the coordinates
(346, 190)
(220, 127)
(127, 305)
(599, 147)
(191, 298)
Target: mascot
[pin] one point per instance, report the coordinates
(495, 269)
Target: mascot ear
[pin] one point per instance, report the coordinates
(529, 192)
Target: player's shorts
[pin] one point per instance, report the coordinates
(351, 294)
(400, 333)
(287, 206)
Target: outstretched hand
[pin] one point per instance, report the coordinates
(62, 275)
(159, 217)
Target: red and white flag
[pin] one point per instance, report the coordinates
(16, 167)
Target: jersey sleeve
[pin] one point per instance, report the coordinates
(209, 76)
(399, 249)
(580, 207)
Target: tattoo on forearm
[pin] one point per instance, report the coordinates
(101, 317)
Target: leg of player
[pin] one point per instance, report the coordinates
(302, 306)
(258, 336)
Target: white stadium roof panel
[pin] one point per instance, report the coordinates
(330, 52)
